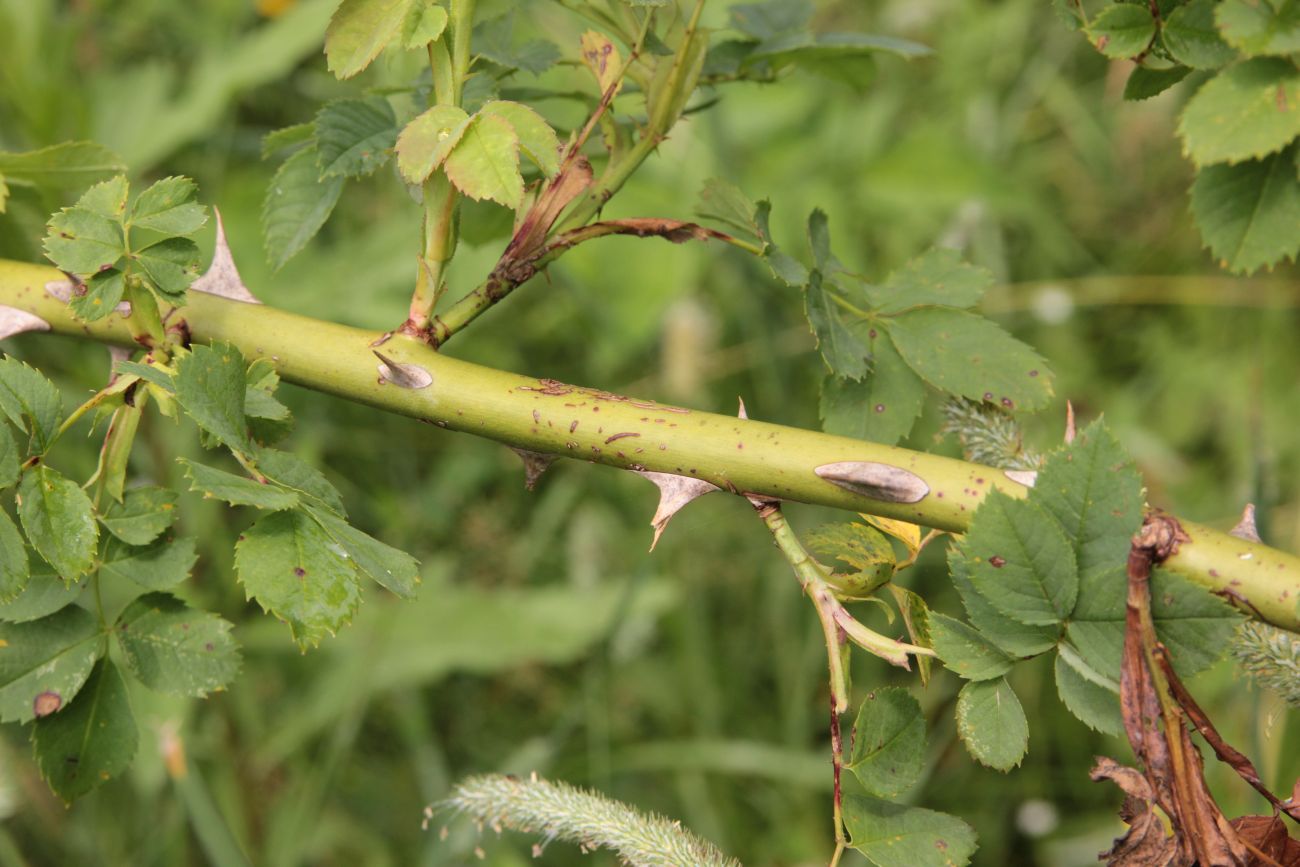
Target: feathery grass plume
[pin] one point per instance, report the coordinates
(988, 434)
(1271, 656)
(558, 811)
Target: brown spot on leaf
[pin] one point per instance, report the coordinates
(299, 571)
(997, 562)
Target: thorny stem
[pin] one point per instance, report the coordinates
(617, 173)
(747, 457)
(467, 308)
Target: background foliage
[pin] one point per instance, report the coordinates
(544, 638)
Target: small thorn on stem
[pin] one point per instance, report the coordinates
(222, 277)
(674, 493)
(1070, 429)
(402, 375)
(14, 321)
(535, 463)
(1246, 528)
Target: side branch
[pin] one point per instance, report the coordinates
(744, 457)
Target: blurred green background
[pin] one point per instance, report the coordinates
(690, 681)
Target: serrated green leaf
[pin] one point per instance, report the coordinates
(291, 471)
(725, 203)
(211, 385)
(14, 568)
(91, 740)
(493, 39)
(425, 142)
(171, 266)
(992, 723)
(965, 651)
(916, 617)
(785, 268)
(1247, 213)
(962, 353)
(44, 662)
(1084, 694)
(537, 140)
(936, 277)
(297, 204)
(1093, 490)
(359, 30)
(99, 295)
(59, 521)
(176, 649)
(864, 549)
(288, 137)
(771, 19)
(354, 136)
(30, 401)
(65, 166)
(843, 352)
(298, 573)
(9, 458)
(162, 564)
(484, 164)
(1190, 36)
(881, 408)
(1144, 83)
(1260, 28)
(1016, 638)
(169, 207)
(106, 199)
(894, 835)
(392, 569)
(82, 242)
(424, 23)
(236, 490)
(43, 595)
(1247, 111)
(260, 404)
(1195, 625)
(142, 516)
(1021, 561)
(1122, 30)
(150, 372)
(888, 742)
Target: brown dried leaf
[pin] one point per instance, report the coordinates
(1154, 721)
(677, 231)
(1267, 839)
(1227, 754)
(1145, 844)
(574, 178)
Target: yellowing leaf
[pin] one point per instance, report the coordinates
(908, 534)
(424, 143)
(602, 57)
(485, 163)
(536, 138)
(359, 30)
